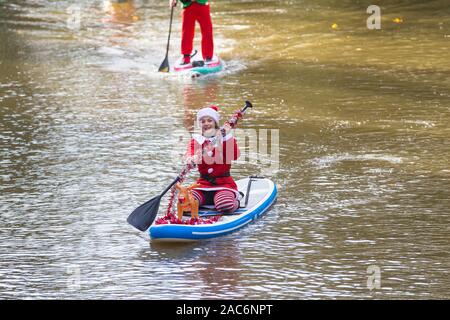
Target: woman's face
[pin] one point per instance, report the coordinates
(208, 126)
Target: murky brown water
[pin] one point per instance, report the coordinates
(88, 131)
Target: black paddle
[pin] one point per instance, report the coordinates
(143, 216)
(165, 64)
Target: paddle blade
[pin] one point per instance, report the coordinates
(143, 216)
(164, 67)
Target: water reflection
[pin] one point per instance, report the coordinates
(216, 263)
(120, 11)
(196, 95)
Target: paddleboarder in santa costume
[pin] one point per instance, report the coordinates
(196, 10)
(213, 153)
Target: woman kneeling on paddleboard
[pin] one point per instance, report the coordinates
(213, 153)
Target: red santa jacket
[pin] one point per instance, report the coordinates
(215, 162)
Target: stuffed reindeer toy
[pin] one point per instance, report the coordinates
(186, 201)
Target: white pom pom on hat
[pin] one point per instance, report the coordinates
(211, 111)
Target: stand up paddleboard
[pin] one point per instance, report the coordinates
(259, 195)
(198, 67)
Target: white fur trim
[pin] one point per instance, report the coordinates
(199, 138)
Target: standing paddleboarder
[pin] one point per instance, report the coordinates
(195, 10)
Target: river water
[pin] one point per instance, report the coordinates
(89, 130)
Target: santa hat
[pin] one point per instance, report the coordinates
(211, 111)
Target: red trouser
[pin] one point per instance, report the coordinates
(200, 13)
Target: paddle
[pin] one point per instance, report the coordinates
(165, 64)
(143, 216)
(233, 121)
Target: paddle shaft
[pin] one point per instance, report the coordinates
(170, 186)
(247, 105)
(170, 31)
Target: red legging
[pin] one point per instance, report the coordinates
(224, 200)
(197, 12)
